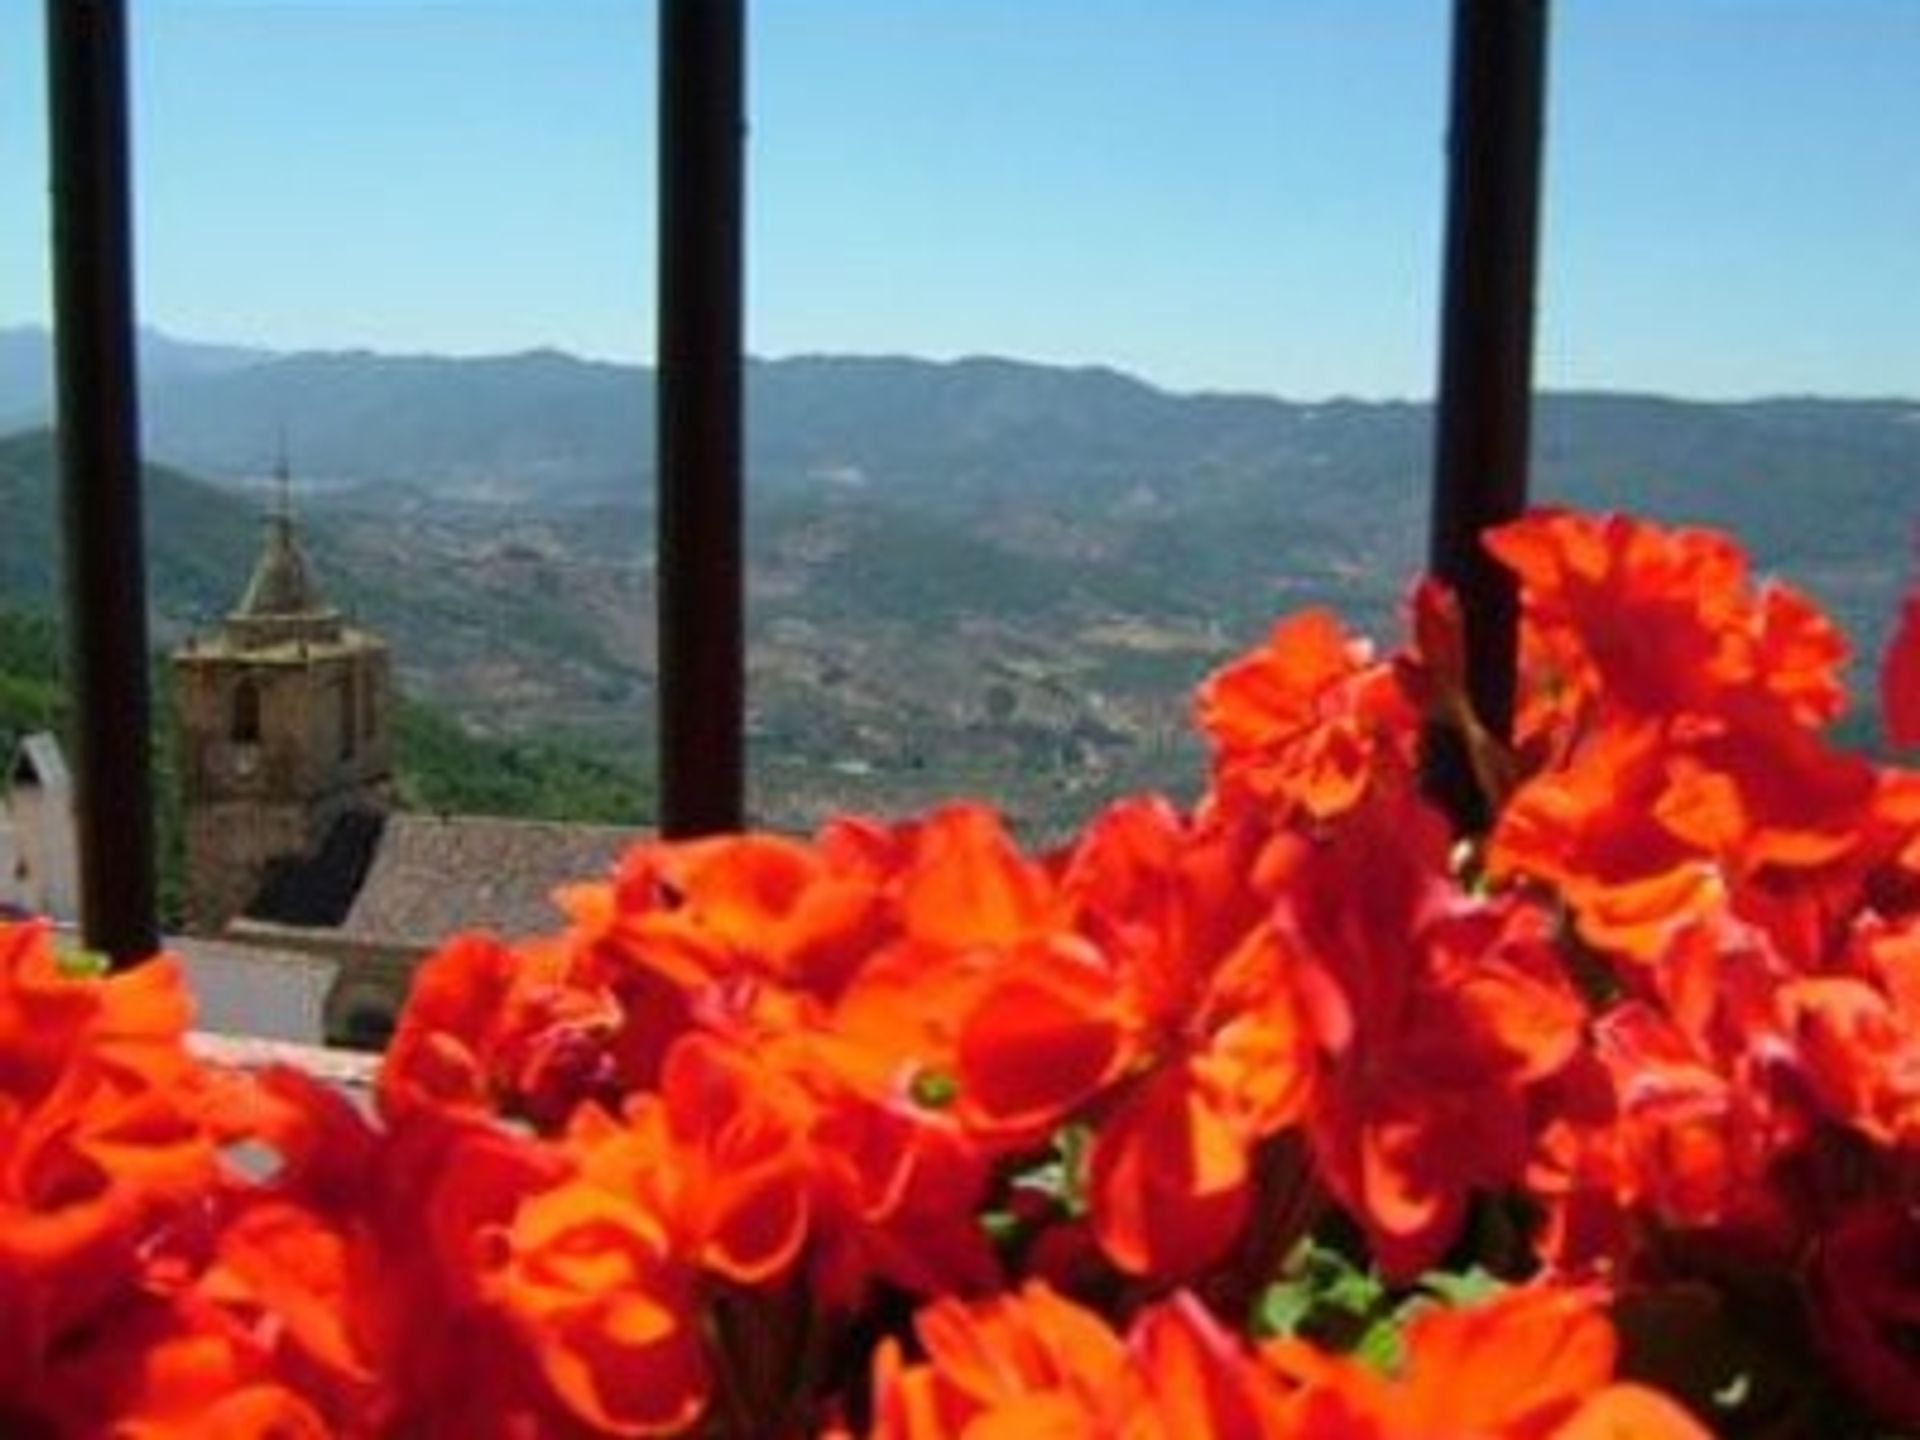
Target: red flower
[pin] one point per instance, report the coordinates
(108, 1132)
(589, 1278)
(1309, 723)
(1900, 677)
(1433, 1014)
(360, 1233)
(1219, 1052)
(718, 1155)
(488, 1028)
(1857, 1033)
(986, 989)
(796, 913)
(1640, 620)
(175, 1369)
(1534, 1363)
(1034, 1365)
(1650, 826)
(1865, 1289)
(1169, 1179)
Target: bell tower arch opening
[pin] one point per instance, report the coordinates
(246, 711)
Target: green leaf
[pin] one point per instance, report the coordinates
(1469, 1287)
(76, 962)
(1065, 1176)
(1383, 1345)
(1355, 1291)
(1002, 1227)
(1283, 1309)
(1321, 1295)
(933, 1089)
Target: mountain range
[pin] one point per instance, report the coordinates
(979, 574)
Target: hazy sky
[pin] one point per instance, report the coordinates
(1211, 193)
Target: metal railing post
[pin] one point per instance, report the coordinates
(1483, 407)
(699, 550)
(99, 449)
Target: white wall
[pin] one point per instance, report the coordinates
(44, 841)
(269, 995)
(12, 891)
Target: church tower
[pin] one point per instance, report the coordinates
(285, 727)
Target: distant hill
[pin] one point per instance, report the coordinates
(548, 428)
(457, 625)
(980, 574)
(199, 536)
(26, 368)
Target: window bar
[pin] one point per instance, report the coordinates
(99, 457)
(1486, 355)
(700, 592)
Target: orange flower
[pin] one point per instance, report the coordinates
(902, 1187)
(359, 1233)
(107, 1134)
(273, 1258)
(987, 990)
(607, 1311)
(1756, 795)
(1800, 655)
(724, 927)
(1032, 1365)
(1309, 722)
(1678, 1139)
(743, 906)
(718, 1155)
(1534, 1363)
(1190, 1377)
(1638, 620)
(1651, 827)
(1169, 1180)
(1590, 833)
(1042, 1036)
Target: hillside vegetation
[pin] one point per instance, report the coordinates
(979, 575)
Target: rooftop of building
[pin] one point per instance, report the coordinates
(412, 880)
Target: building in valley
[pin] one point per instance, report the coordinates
(293, 843)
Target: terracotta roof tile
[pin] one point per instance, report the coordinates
(433, 875)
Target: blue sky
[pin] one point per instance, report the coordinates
(1237, 194)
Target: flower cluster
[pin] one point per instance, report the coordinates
(1292, 1114)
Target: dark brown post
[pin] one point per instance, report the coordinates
(1486, 352)
(701, 591)
(99, 446)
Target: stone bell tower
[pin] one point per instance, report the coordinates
(285, 726)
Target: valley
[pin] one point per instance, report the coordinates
(978, 577)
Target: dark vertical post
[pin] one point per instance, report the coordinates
(99, 445)
(1486, 353)
(701, 591)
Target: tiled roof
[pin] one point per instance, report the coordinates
(433, 875)
(283, 583)
(39, 761)
(413, 879)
